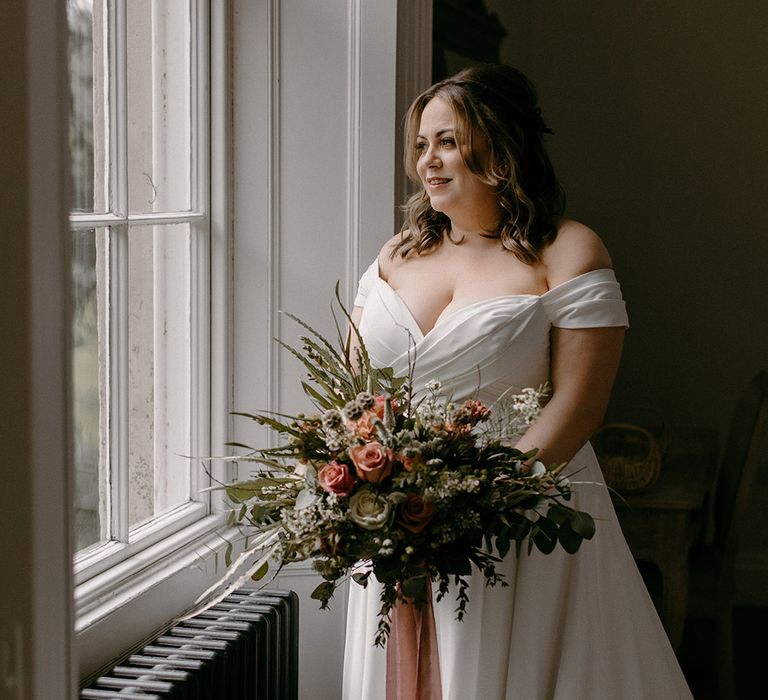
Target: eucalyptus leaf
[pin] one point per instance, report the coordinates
(569, 540)
(323, 592)
(503, 542)
(519, 527)
(261, 572)
(545, 535)
(583, 524)
(361, 579)
(558, 514)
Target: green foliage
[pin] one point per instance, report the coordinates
(481, 495)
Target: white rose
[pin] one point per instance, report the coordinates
(369, 510)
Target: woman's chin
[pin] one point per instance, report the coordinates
(438, 203)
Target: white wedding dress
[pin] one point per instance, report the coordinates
(568, 627)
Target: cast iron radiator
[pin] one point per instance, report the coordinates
(243, 648)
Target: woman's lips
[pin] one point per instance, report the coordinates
(435, 182)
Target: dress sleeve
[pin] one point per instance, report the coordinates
(366, 282)
(591, 300)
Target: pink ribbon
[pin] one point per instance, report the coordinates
(413, 665)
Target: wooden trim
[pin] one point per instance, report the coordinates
(354, 128)
(414, 74)
(50, 668)
(273, 215)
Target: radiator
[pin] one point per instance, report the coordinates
(243, 648)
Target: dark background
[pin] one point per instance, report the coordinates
(660, 113)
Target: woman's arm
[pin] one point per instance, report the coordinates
(583, 366)
(583, 361)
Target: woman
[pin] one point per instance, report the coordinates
(491, 288)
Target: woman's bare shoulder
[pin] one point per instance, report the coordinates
(576, 249)
(387, 263)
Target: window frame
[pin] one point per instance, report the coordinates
(172, 558)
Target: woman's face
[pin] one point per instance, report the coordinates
(452, 187)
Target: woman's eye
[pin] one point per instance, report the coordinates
(448, 142)
(421, 146)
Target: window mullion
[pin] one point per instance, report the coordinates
(118, 383)
(118, 107)
(200, 103)
(118, 285)
(199, 364)
(219, 188)
(201, 235)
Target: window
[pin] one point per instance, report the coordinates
(141, 227)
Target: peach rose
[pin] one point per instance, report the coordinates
(372, 462)
(378, 405)
(415, 513)
(364, 427)
(335, 477)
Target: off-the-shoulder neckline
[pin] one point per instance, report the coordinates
(563, 286)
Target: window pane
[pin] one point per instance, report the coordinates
(87, 385)
(87, 123)
(159, 142)
(159, 369)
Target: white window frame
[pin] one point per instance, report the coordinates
(135, 587)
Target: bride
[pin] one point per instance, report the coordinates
(489, 287)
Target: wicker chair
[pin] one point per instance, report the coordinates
(712, 566)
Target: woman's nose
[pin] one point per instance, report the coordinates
(432, 156)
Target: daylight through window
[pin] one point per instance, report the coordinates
(140, 230)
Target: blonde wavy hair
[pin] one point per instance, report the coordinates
(497, 105)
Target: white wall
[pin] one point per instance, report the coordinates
(314, 134)
(313, 168)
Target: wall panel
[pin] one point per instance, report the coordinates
(314, 134)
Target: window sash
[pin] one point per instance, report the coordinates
(123, 541)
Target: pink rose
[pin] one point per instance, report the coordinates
(415, 513)
(378, 405)
(336, 478)
(372, 462)
(364, 426)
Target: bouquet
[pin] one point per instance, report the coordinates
(376, 482)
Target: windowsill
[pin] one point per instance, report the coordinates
(100, 558)
(127, 605)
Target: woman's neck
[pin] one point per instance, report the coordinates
(473, 235)
(476, 225)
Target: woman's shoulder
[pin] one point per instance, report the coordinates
(388, 258)
(575, 250)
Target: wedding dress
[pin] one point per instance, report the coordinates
(568, 627)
